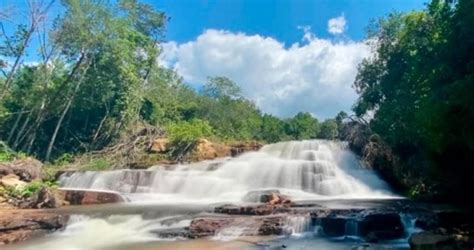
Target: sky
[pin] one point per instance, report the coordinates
(287, 56)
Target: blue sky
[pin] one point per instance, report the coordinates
(287, 56)
(277, 19)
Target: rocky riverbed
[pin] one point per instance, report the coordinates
(366, 222)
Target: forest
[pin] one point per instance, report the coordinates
(98, 81)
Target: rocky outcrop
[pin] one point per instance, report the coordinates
(88, 197)
(242, 147)
(27, 169)
(11, 181)
(202, 227)
(250, 225)
(20, 225)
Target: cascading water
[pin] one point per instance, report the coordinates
(303, 170)
(165, 199)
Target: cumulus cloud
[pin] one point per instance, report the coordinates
(337, 25)
(315, 76)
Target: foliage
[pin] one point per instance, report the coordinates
(302, 126)
(185, 131)
(328, 129)
(419, 87)
(97, 80)
(97, 164)
(27, 190)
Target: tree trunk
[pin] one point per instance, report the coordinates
(15, 125)
(66, 109)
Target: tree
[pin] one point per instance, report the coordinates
(328, 129)
(221, 87)
(302, 126)
(273, 129)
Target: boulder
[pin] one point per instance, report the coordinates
(272, 197)
(20, 225)
(45, 198)
(88, 197)
(27, 169)
(262, 196)
(11, 181)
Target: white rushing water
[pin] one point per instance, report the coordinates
(304, 170)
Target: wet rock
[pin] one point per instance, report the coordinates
(245, 210)
(87, 197)
(20, 225)
(381, 226)
(173, 233)
(429, 240)
(27, 169)
(262, 196)
(202, 227)
(271, 226)
(272, 197)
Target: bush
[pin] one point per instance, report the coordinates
(27, 190)
(189, 131)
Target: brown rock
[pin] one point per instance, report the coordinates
(204, 150)
(23, 224)
(11, 180)
(202, 227)
(46, 199)
(88, 197)
(26, 168)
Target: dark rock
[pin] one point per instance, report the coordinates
(271, 226)
(172, 233)
(428, 240)
(333, 226)
(381, 226)
(246, 210)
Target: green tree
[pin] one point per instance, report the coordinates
(302, 126)
(328, 129)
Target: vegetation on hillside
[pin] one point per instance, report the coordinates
(97, 81)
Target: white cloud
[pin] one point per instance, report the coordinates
(315, 76)
(337, 25)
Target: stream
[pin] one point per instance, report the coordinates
(332, 196)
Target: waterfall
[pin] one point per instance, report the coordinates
(303, 170)
(297, 224)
